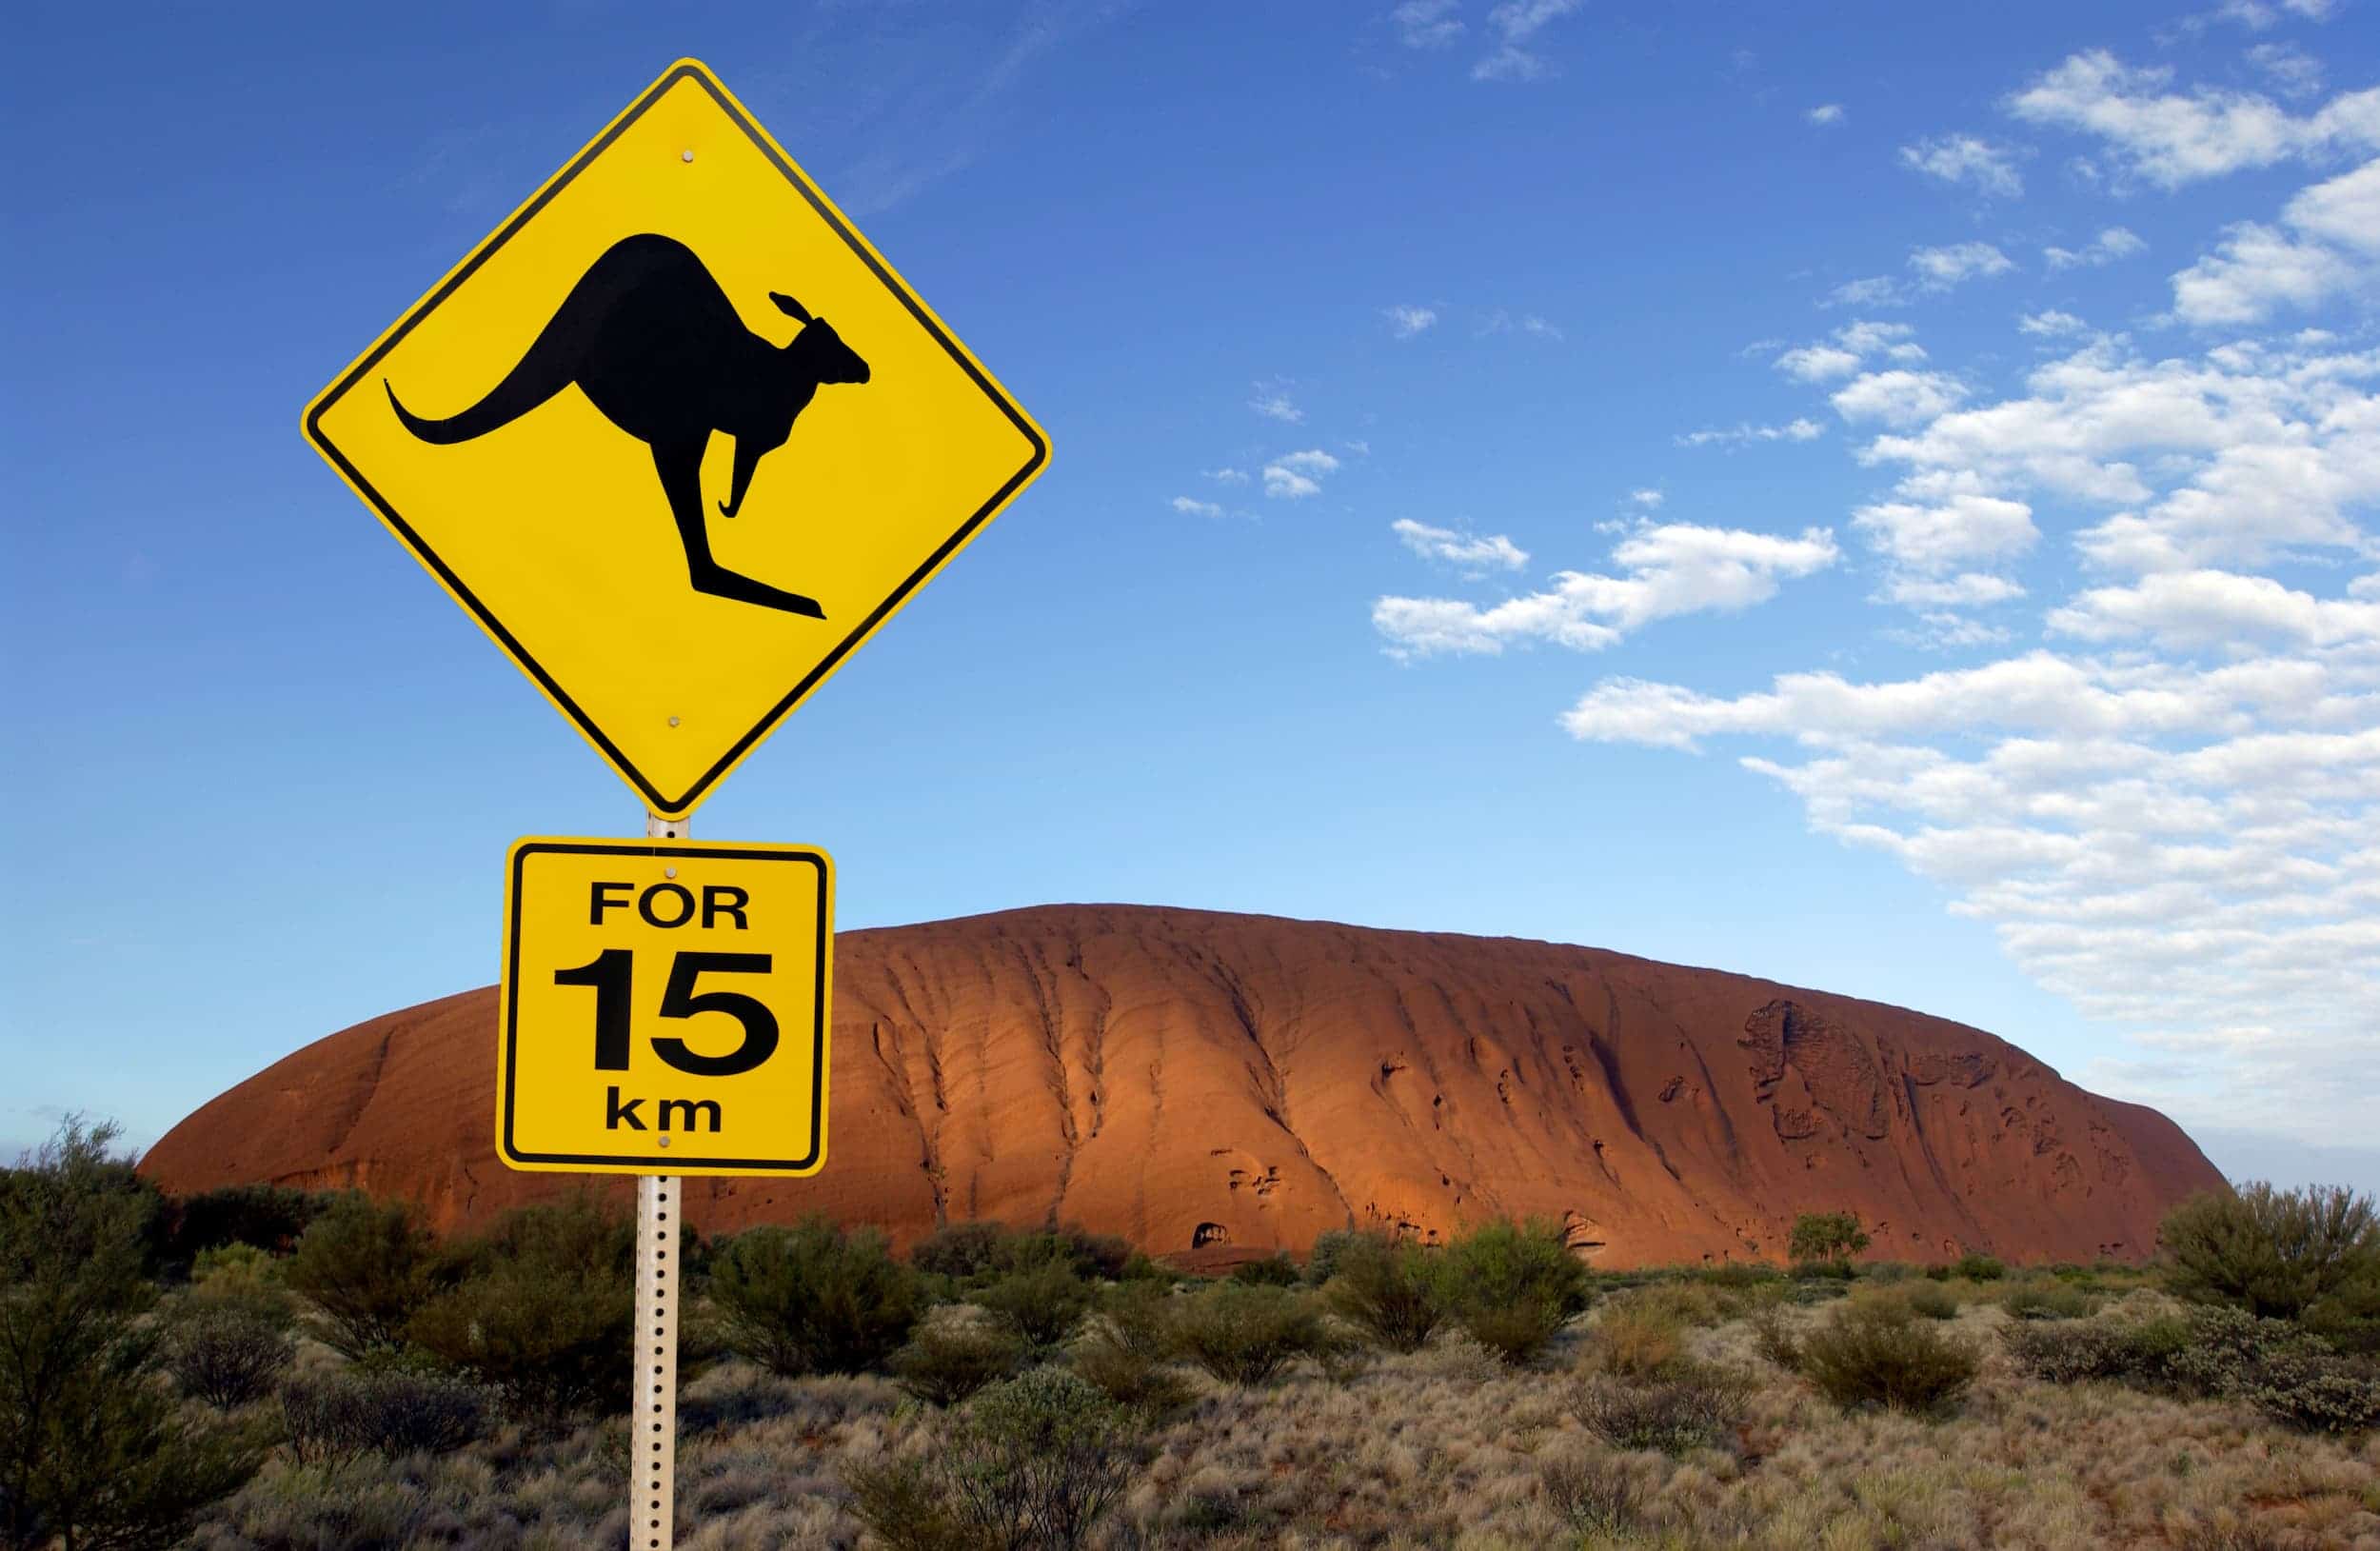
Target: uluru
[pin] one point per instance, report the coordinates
(1213, 1086)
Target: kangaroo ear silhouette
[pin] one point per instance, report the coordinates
(790, 307)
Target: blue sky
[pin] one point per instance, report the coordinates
(1882, 500)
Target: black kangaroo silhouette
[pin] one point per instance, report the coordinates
(653, 342)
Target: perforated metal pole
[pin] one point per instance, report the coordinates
(653, 1403)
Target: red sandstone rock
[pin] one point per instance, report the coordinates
(1233, 1085)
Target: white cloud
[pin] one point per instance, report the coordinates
(1873, 290)
(1295, 475)
(1957, 527)
(1405, 322)
(1227, 476)
(2171, 139)
(2259, 269)
(2112, 243)
(1647, 499)
(2194, 610)
(1196, 509)
(1666, 571)
(1461, 550)
(1969, 589)
(1514, 23)
(2295, 73)
(1830, 113)
(1817, 363)
(1939, 269)
(1963, 158)
(1502, 322)
(1898, 397)
(1793, 430)
(1427, 23)
(1272, 401)
(2052, 324)
(2257, 15)
(1888, 339)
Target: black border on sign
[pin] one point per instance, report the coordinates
(646, 1162)
(661, 801)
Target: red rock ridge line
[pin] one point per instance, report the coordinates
(1213, 1085)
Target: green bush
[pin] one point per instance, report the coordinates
(365, 1268)
(226, 1352)
(1697, 1408)
(1634, 1339)
(1042, 1302)
(93, 1450)
(814, 1299)
(2051, 1300)
(543, 1313)
(1826, 1236)
(1931, 1302)
(949, 1359)
(1879, 1354)
(959, 1250)
(1129, 1369)
(1514, 1285)
(1824, 1271)
(1272, 1271)
(1032, 1461)
(2316, 1390)
(2073, 1351)
(1322, 1261)
(2275, 1253)
(1391, 1289)
(386, 1410)
(2348, 1317)
(1247, 1335)
(1975, 1268)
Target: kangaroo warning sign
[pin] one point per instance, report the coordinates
(663, 1007)
(678, 437)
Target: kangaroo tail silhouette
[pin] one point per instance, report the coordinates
(549, 367)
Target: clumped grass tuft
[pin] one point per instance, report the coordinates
(1594, 1494)
(1698, 1407)
(340, 1415)
(1634, 1340)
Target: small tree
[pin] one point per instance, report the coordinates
(1391, 1289)
(2275, 1253)
(366, 1267)
(1514, 1285)
(813, 1299)
(1826, 1236)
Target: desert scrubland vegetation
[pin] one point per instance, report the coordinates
(263, 1368)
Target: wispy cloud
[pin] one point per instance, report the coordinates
(1966, 158)
(1427, 23)
(1461, 550)
(1273, 402)
(1502, 322)
(1227, 476)
(1830, 113)
(1190, 507)
(1737, 435)
(1516, 25)
(1940, 269)
(1294, 476)
(1405, 322)
(2112, 243)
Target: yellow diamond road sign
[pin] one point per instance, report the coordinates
(665, 1007)
(678, 437)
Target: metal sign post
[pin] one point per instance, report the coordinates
(653, 1396)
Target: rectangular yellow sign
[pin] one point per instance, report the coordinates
(665, 1007)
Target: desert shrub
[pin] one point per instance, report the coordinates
(1824, 1271)
(1514, 1285)
(2224, 1349)
(1635, 1341)
(1099, 1257)
(93, 1451)
(225, 1351)
(1137, 1316)
(269, 1217)
(220, 1270)
(959, 1250)
(1877, 1353)
(1391, 1289)
(1322, 1259)
(365, 1268)
(2050, 1300)
(1695, 1408)
(1247, 1335)
(2316, 1390)
(1974, 1268)
(1826, 1236)
(385, 1410)
(1042, 1302)
(543, 1313)
(1931, 1302)
(1128, 1371)
(814, 1299)
(1773, 1337)
(2273, 1252)
(1596, 1494)
(1272, 1271)
(1734, 1276)
(1887, 1272)
(2072, 1351)
(948, 1360)
(1032, 1461)
(1686, 1303)
(2348, 1317)
(1138, 1266)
